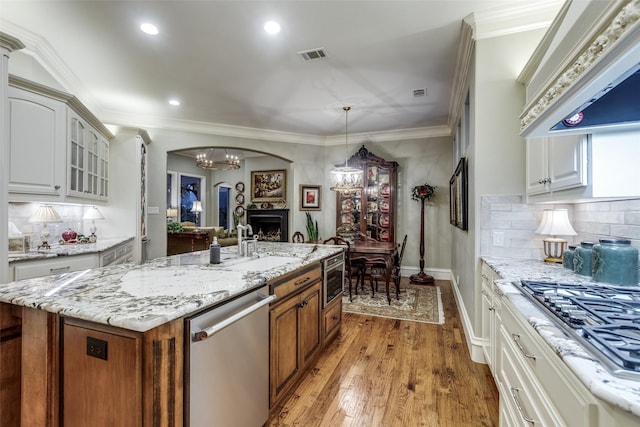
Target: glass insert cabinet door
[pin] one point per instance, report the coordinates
(370, 211)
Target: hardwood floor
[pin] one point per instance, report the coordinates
(386, 372)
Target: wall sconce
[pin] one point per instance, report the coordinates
(45, 214)
(555, 222)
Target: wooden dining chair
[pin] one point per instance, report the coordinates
(348, 270)
(379, 271)
(298, 237)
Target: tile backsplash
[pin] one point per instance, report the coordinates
(508, 224)
(71, 215)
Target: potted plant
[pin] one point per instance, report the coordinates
(174, 227)
(312, 228)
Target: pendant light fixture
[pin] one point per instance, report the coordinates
(345, 178)
(209, 161)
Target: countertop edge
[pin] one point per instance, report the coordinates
(620, 392)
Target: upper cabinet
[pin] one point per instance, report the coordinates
(59, 151)
(556, 163)
(88, 165)
(370, 211)
(37, 132)
(583, 167)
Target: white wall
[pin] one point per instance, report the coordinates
(496, 155)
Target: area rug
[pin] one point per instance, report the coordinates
(417, 303)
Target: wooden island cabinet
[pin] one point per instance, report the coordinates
(58, 370)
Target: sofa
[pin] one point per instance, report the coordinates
(178, 243)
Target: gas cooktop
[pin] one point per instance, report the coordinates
(605, 319)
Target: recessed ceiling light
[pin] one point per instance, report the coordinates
(149, 29)
(174, 102)
(272, 27)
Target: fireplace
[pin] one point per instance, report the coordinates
(269, 224)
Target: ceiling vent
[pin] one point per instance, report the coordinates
(311, 54)
(419, 92)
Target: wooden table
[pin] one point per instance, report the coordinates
(372, 252)
(187, 241)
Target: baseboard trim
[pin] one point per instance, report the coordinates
(474, 343)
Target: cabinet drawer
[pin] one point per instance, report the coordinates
(332, 317)
(60, 265)
(522, 390)
(296, 283)
(574, 403)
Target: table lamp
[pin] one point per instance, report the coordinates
(93, 213)
(555, 222)
(197, 208)
(45, 214)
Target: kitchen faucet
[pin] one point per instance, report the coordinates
(242, 229)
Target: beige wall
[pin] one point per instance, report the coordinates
(420, 160)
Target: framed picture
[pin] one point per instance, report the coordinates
(268, 186)
(458, 196)
(310, 197)
(240, 187)
(240, 199)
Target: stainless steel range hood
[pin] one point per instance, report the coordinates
(615, 106)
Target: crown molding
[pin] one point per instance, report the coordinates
(617, 24)
(518, 17)
(71, 101)
(10, 43)
(463, 64)
(536, 58)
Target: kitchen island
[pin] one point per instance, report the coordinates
(139, 311)
(568, 383)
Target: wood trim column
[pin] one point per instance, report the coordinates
(40, 391)
(163, 374)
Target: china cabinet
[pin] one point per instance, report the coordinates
(371, 210)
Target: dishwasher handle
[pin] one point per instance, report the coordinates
(213, 329)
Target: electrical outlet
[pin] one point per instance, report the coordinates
(153, 210)
(498, 238)
(97, 348)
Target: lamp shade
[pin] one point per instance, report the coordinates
(196, 206)
(555, 222)
(92, 213)
(45, 214)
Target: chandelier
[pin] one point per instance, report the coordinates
(209, 161)
(345, 178)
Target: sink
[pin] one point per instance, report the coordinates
(259, 264)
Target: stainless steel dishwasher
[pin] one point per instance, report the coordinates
(227, 363)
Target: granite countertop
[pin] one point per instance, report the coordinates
(140, 297)
(622, 392)
(64, 250)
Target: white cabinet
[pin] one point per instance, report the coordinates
(58, 150)
(119, 254)
(88, 160)
(556, 163)
(37, 132)
(583, 167)
(491, 303)
(52, 266)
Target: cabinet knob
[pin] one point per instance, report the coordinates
(57, 187)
